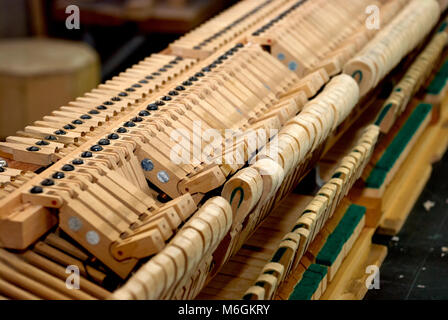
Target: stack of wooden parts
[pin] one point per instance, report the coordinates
(284, 35)
(392, 43)
(273, 252)
(224, 28)
(130, 184)
(412, 120)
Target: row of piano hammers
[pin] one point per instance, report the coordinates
(296, 242)
(414, 79)
(259, 184)
(116, 221)
(109, 143)
(100, 191)
(293, 31)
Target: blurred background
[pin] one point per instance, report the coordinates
(44, 64)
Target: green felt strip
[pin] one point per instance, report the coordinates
(328, 254)
(313, 276)
(443, 26)
(302, 293)
(443, 70)
(439, 81)
(343, 231)
(319, 269)
(309, 283)
(398, 145)
(376, 178)
(437, 84)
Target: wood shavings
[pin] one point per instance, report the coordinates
(428, 205)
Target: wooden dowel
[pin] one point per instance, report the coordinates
(65, 246)
(28, 284)
(59, 271)
(64, 259)
(13, 292)
(41, 276)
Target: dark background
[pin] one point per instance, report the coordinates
(120, 40)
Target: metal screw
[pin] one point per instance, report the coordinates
(163, 176)
(3, 163)
(92, 238)
(147, 164)
(74, 223)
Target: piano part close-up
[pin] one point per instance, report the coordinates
(254, 158)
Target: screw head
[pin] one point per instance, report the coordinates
(137, 119)
(36, 190)
(68, 167)
(92, 237)
(42, 143)
(74, 223)
(152, 107)
(113, 136)
(163, 176)
(60, 132)
(147, 164)
(51, 138)
(96, 148)
(104, 142)
(86, 154)
(129, 124)
(47, 182)
(77, 161)
(58, 175)
(69, 127)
